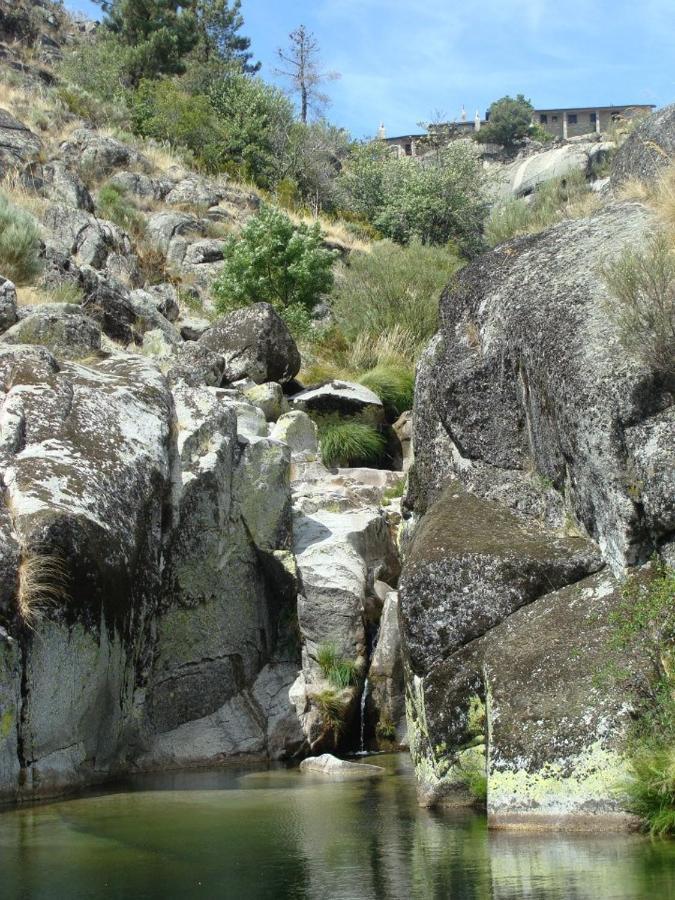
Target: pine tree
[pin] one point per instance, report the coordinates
(304, 72)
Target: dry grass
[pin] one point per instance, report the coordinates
(659, 195)
(43, 582)
(34, 295)
(20, 196)
(333, 230)
(394, 347)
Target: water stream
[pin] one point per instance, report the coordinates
(362, 730)
(242, 834)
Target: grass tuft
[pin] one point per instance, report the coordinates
(113, 204)
(348, 442)
(393, 384)
(43, 582)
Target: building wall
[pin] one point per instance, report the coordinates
(585, 119)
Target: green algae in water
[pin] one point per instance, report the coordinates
(240, 833)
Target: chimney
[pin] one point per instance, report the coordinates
(381, 133)
(476, 121)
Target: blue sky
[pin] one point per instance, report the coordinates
(403, 61)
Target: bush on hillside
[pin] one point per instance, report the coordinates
(19, 244)
(256, 120)
(642, 285)
(440, 200)
(275, 261)
(162, 111)
(392, 287)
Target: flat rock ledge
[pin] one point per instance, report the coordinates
(327, 764)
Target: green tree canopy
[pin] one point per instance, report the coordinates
(509, 121)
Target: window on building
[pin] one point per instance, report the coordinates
(593, 117)
(543, 118)
(408, 149)
(571, 118)
(554, 118)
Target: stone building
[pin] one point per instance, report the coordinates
(573, 121)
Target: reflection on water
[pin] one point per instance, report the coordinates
(279, 834)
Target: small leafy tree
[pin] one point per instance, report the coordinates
(275, 261)
(509, 121)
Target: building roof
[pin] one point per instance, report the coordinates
(595, 108)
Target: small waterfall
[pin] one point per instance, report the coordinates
(364, 697)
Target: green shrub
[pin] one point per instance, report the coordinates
(349, 442)
(392, 287)
(440, 201)
(275, 261)
(560, 198)
(19, 244)
(385, 730)
(113, 204)
(642, 285)
(394, 385)
(162, 111)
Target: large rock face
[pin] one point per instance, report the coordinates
(144, 589)
(543, 466)
(648, 150)
(528, 373)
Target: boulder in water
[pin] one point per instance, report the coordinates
(327, 764)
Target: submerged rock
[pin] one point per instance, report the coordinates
(327, 764)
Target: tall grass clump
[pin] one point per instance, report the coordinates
(19, 244)
(340, 672)
(393, 287)
(332, 709)
(113, 204)
(642, 285)
(394, 384)
(348, 442)
(647, 615)
(43, 582)
(567, 197)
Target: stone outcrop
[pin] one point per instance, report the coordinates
(648, 150)
(524, 175)
(532, 428)
(255, 344)
(18, 144)
(528, 373)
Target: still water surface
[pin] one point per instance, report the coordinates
(271, 835)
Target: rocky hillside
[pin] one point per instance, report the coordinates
(543, 475)
(183, 580)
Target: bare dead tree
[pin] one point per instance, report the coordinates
(303, 69)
